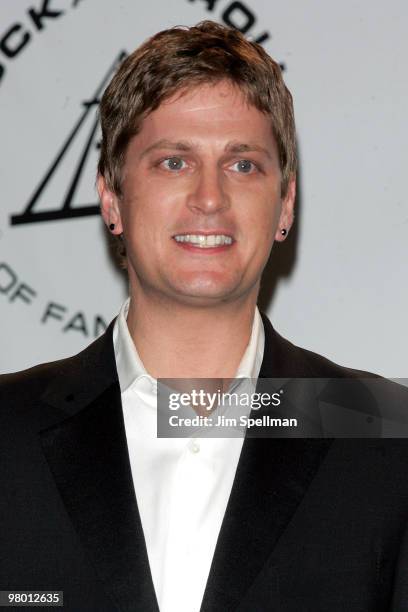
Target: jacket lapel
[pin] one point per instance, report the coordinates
(88, 457)
(272, 477)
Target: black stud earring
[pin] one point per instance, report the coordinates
(284, 232)
(112, 227)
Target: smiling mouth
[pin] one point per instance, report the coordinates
(204, 241)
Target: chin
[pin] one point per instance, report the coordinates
(207, 296)
(201, 301)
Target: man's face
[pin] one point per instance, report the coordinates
(201, 201)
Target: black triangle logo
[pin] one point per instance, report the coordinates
(88, 119)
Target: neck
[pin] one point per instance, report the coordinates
(181, 341)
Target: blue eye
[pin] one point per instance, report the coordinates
(174, 163)
(244, 166)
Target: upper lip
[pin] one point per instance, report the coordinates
(204, 233)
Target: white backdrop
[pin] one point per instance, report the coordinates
(341, 285)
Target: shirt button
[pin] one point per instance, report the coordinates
(194, 446)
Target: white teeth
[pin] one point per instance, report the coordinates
(204, 241)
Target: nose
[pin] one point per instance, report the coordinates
(208, 195)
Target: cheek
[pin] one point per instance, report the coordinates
(137, 213)
(261, 234)
(146, 222)
(261, 219)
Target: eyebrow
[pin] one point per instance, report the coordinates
(182, 145)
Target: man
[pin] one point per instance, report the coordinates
(196, 180)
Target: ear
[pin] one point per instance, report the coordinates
(287, 212)
(109, 206)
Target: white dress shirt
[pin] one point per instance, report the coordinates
(182, 485)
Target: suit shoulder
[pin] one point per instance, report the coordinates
(96, 356)
(305, 362)
(324, 367)
(81, 375)
(350, 386)
(29, 384)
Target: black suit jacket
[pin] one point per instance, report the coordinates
(312, 525)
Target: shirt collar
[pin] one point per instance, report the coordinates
(128, 363)
(131, 369)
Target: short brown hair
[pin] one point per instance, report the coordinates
(184, 57)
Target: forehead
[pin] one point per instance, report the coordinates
(207, 95)
(206, 113)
